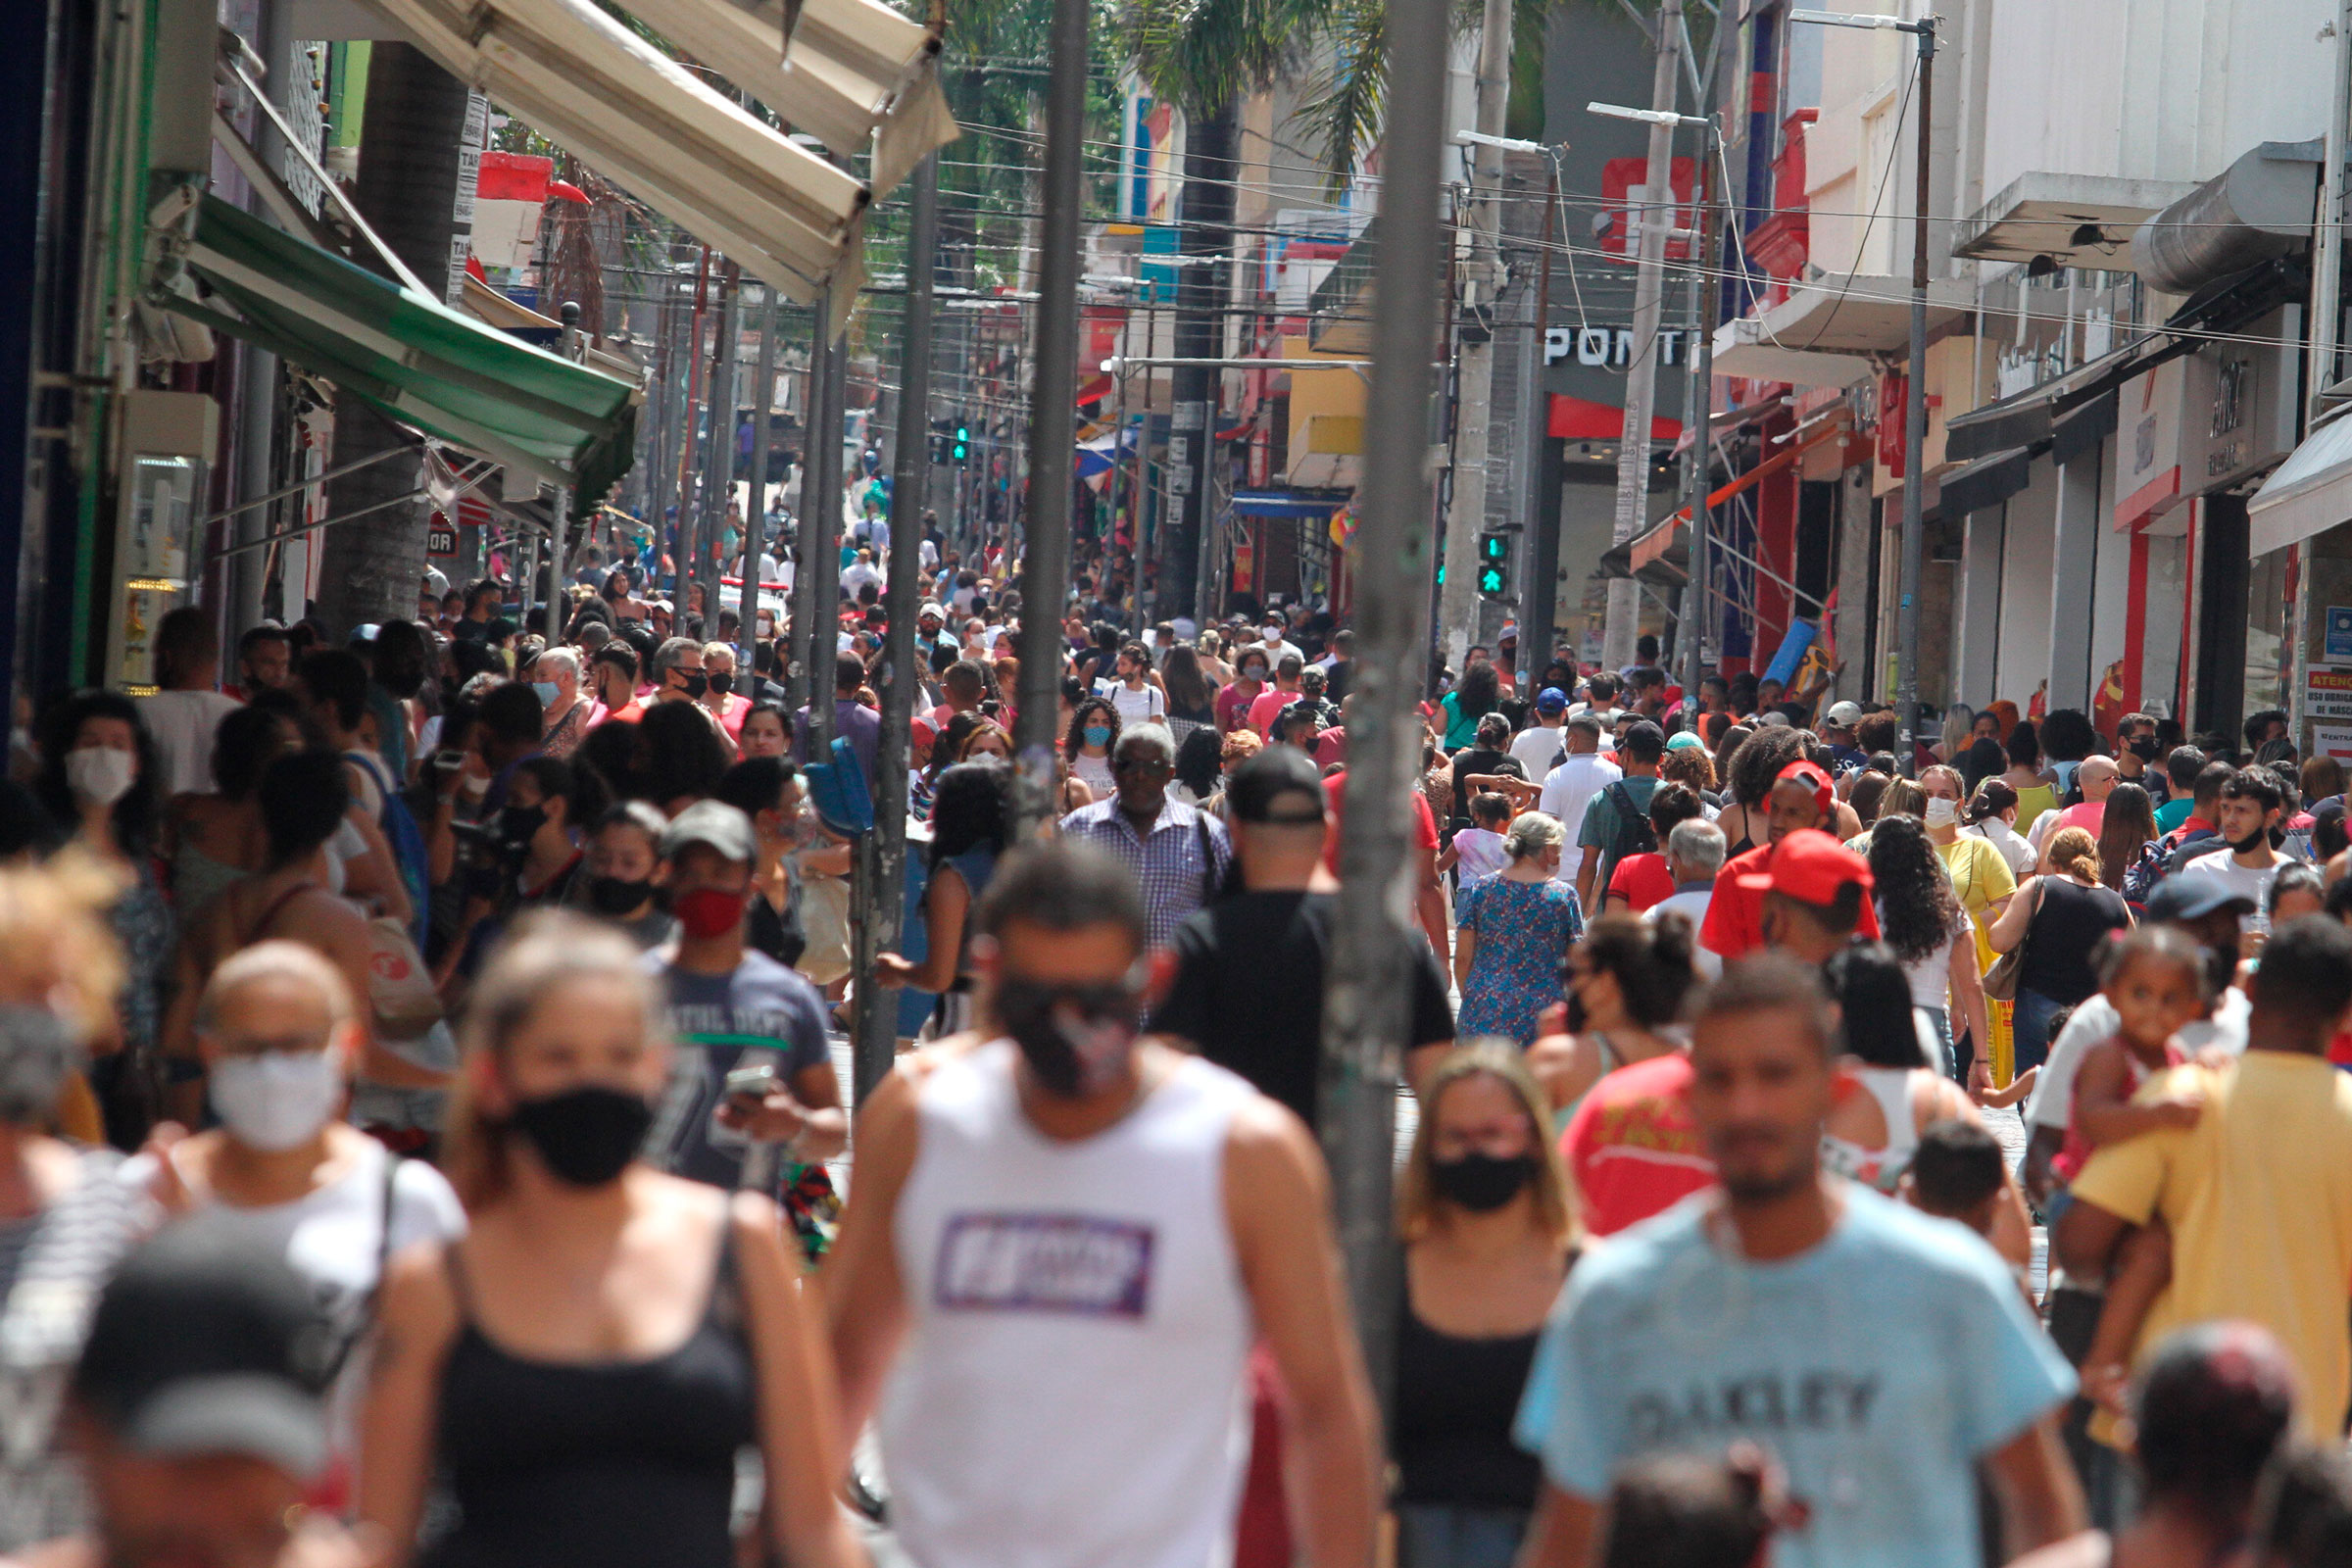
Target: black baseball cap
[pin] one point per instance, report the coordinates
(2193, 898)
(206, 1343)
(1277, 773)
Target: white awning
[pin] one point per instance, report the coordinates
(2309, 493)
(597, 90)
(855, 71)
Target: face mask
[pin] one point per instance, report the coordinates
(585, 1135)
(1480, 1183)
(37, 1050)
(519, 824)
(696, 682)
(1253, 672)
(277, 1099)
(546, 691)
(1076, 1039)
(2144, 748)
(99, 775)
(708, 913)
(1096, 734)
(723, 682)
(1577, 1016)
(1943, 813)
(610, 895)
(2248, 844)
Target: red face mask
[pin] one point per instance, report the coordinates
(708, 912)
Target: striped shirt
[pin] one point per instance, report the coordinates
(1177, 865)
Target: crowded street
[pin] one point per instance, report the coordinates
(1351, 784)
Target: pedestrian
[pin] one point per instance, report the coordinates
(1235, 698)
(2256, 1196)
(1582, 773)
(971, 828)
(536, 852)
(1479, 693)
(2037, 787)
(1625, 983)
(1479, 851)
(624, 873)
(199, 1404)
(1679, 1510)
(1085, 745)
(1616, 821)
(1247, 989)
(853, 720)
(2250, 811)
(1132, 686)
(185, 712)
(1809, 881)
(1804, 1314)
(586, 1363)
(1513, 929)
(216, 838)
(1923, 924)
(766, 731)
(1484, 1212)
(1693, 860)
(276, 1031)
(1991, 816)
(554, 675)
(767, 790)
(725, 696)
(1486, 755)
(2058, 918)
(732, 1009)
(1177, 854)
(1284, 691)
(1087, 1417)
(1541, 745)
(1750, 774)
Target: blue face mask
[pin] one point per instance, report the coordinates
(1096, 734)
(546, 693)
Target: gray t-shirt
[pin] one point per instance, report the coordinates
(761, 1011)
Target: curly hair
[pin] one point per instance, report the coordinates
(1759, 761)
(1690, 767)
(1916, 906)
(1652, 963)
(1480, 691)
(1076, 735)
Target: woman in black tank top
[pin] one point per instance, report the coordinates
(1489, 1238)
(586, 1364)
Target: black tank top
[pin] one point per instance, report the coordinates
(1455, 1402)
(2067, 923)
(584, 1464)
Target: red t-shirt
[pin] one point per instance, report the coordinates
(1331, 747)
(1734, 925)
(1425, 826)
(1633, 1147)
(1640, 881)
(1233, 707)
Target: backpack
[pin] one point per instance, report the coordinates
(407, 842)
(1635, 835)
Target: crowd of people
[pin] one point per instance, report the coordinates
(420, 1131)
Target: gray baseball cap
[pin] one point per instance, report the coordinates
(715, 823)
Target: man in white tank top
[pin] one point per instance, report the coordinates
(1063, 1243)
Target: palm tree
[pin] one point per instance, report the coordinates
(407, 190)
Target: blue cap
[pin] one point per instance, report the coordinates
(1551, 699)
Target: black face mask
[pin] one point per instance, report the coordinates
(403, 681)
(2248, 844)
(722, 683)
(585, 1135)
(519, 824)
(1482, 1183)
(1577, 1017)
(695, 681)
(2144, 748)
(610, 895)
(1075, 1038)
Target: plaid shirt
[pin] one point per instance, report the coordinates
(1168, 866)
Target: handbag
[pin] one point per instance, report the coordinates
(2001, 981)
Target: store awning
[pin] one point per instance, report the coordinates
(854, 71)
(603, 93)
(2309, 493)
(412, 358)
(2028, 418)
(1985, 483)
(1286, 504)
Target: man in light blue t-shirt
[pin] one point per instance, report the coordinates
(1877, 1354)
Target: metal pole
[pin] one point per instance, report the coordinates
(877, 1032)
(718, 460)
(1698, 476)
(1540, 597)
(1915, 418)
(681, 572)
(1657, 215)
(1482, 287)
(755, 512)
(1045, 563)
(820, 507)
(556, 599)
(801, 645)
(2327, 310)
(1366, 1001)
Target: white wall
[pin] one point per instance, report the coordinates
(2111, 587)
(2149, 90)
(2022, 658)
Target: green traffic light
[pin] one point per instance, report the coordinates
(1494, 547)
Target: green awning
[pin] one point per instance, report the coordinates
(414, 359)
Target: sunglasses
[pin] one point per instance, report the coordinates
(1139, 765)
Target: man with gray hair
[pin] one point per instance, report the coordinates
(1178, 853)
(1693, 857)
(556, 676)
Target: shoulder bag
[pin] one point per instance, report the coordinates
(2001, 981)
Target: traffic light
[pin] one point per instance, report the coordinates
(939, 442)
(1494, 565)
(959, 449)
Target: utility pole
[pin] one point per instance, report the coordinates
(557, 601)
(1482, 287)
(878, 1012)
(1539, 599)
(1052, 431)
(755, 514)
(718, 464)
(819, 585)
(1366, 1001)
(1656, 214)
(681, 569)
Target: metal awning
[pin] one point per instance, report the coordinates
(1662, 543)
(1286, 504)
(2309, 493)
(1832, 317)
(854, 71)
(409, 355)
(2028, 418)
(1987, 482)
(1741, 348)
(597, 89)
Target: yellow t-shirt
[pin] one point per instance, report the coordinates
(2258, 1196)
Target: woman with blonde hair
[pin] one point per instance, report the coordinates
(1490, 1234)
(2059, 916)
(586, 1362)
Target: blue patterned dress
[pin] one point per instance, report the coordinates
(1524, 929)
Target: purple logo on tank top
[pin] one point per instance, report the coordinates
(1045, 1263)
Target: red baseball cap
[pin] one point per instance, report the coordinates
(1809, 866)
(1815, 778)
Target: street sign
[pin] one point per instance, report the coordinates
(441, 540)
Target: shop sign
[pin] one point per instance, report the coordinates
(2337, 637)
(2333, 740)
(2327, 692)
(2234, 419)
(1600, 347)
(2147, 445)
(441, 539)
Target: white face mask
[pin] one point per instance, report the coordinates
(277, 1099)
(1943, 813)
(99, 775)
